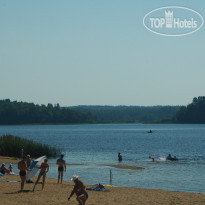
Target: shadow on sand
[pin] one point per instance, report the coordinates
(17, 192)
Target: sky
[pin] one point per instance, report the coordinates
(89, 52)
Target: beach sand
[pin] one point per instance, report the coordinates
(55, 194)
(8, 160)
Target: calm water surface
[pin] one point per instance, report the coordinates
(95, 146)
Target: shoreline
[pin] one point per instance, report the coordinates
(5, 159)
(55, 193)
(15, 160)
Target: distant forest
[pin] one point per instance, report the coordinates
(29, 113)
(130, 114)
(192, 113)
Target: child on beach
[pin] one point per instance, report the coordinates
(44, 169)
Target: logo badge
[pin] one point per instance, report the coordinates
(173, 21)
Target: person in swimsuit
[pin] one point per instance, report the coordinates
(44, 169)
(61, 167)
(79, 190)
(22, 166)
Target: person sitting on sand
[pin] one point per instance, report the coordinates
(22, 166)
(44, 169)
(79, 190)
(61, 167)
(3, 169)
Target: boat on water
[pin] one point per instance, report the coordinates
(169, 157)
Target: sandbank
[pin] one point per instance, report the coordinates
(119, 166)
(124, 166)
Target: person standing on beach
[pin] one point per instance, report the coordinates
(44, 169)
(22, 166)
(61, 167)
(79, 190)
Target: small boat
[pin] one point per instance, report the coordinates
(169, 157)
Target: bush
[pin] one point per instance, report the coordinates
(12, 145)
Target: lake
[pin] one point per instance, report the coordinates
(95, 146)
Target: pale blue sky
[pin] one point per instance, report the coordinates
(90, 52)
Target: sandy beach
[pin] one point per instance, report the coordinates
(8, 159)
(55, 193)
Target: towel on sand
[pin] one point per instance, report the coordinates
(99, 187)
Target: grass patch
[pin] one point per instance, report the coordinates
(11, 146)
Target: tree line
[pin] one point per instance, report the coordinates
(130, 114)
(29, 113)
(192, 113)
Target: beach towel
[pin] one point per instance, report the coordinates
(99, 187)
